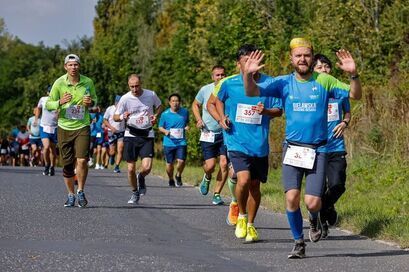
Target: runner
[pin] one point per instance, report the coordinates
(305, 96)
(33, 127)
(48, 134)
(23, 139)
(211, 139)
(335, 149)
(137, 109)
(115, 134)
(73, 94)
(247, 119)
(173, 123)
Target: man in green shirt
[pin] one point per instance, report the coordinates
(72, 94)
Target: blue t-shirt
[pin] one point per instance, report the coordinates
(176, 121)
(96, 127)
(336, 110)
(305, 104)
(202, 97)
(248, 131)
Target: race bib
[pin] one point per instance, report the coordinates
(333, 112)
(300, 156)
(75, 112)
(24, 147)
(176, 133)
(207, 136)
(49, 129)
(247, 114)
(139, 121)
(99, 134)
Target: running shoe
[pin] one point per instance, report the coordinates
(90, 162)
(46, 171)
(134, 198)
(141, 183)
(298, 251)
(171, 183)
(116, 169)
(204, 185)
(241, 227)
(82, 201)
(51, 172)
(70, 201)
(178, 181)
(325, 230)
(332, 216)
(217, 200)
(315, 232)
(252, 235)
(233, 214)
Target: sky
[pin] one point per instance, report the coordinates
(50, 21)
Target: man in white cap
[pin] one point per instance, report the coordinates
(73, 94)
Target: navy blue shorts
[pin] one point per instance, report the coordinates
(175, 152)
(36, 141)
(257, 166)
(315, 177)
(213, 150)
(51, 136)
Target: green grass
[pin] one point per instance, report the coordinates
(375, 204)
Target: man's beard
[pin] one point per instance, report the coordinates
(302, 72)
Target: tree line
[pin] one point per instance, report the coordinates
(173, 44)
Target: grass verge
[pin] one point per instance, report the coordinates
(375, 204)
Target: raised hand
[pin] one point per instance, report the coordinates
(346, 62)
(252, 63)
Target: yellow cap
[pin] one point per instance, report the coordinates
(300, 42)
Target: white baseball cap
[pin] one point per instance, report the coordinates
(71, 57)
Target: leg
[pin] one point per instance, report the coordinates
(253, 201)
(82, 172)
(221, 175)
(132, 175)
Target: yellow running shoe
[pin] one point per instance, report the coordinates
(252, 235)
(233, 214)
(241, 227)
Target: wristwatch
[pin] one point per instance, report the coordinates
(354, 77)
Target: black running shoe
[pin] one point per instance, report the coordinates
(46, 171)
(171, 183)
(178, 181)
(52, 172)
(298, 251)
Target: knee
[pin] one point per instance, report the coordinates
(313, 204)
(82, 161)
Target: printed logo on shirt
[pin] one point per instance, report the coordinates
(314, 96)
(304, 107)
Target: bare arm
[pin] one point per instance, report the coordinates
(339, 129)
(273, 112)
(196, 112)
(347, 64)
(107, 124)
(164, 131)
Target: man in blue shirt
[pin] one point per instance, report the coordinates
(174, 123)
(305, 95)
(339, 116)
(211, 139)
(248, 119)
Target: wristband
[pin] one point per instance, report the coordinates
(354, 77)
(346, 122)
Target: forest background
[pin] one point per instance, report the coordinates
(173, 44)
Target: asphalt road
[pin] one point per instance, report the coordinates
(171, 229)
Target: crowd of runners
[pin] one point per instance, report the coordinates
(233, 114)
